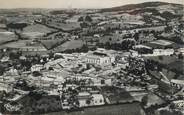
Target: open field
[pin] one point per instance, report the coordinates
(123, 109)
(7, 37)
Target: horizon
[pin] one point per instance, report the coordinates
(70, 4)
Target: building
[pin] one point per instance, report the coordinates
(5, 87)
(180, 50)
(87, 99)
(5, 59)
(161, 52)
(84, 99)
(179, 104)
(100, 57)
(177, 83)
(98, 99)
(37, 67)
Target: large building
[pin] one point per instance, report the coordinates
(100, 57)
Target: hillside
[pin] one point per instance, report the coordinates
(140, 6)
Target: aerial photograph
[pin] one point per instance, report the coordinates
(91, 57)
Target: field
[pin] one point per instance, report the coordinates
(66, 26)
(171, 62)
(37, 28)
(6, 37)
(163, 59)
(69, 45)
(123, 109)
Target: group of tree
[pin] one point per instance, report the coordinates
(86, 18)
(124, 45)
(83, 49)
(18, 26)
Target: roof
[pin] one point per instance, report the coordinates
(97, 96)
(162, 42)
(83, 94)
(142, 46)
(181, 82)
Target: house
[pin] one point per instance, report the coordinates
(146, 38)
(179, 104)
(84, 99)
(177, 83)
(5, 59)
(12, 72)
(98, 99)
(58, 77)
(180, 50)
(160, 52)
(4, 86)
(37, 67)
(87, 99)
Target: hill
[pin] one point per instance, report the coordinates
(140, 6)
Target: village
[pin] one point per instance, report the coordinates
(76, 60)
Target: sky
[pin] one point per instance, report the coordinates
(72, 3)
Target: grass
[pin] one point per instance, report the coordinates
(37, 28)
(7, 37)
(116, 94)
(73, 44)
(49, 44)
(66, 26)
(171, 62)
(123, 109)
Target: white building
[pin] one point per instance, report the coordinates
(5, 59)
(37, 67)
(177, 83)
(86, 99)
(100, 57)
(180, 50)
(160, 52)
(97, 99)
(179, 104)
(12, 72)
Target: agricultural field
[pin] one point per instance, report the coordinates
(124, 109)
(7, 37)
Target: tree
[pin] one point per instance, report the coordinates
(81, 19)
(83, 25)
(136, 36)
(2, 70)
(168, 15)
(180, 56)
(84, 48)
(168, 29)
(144, 100)
(36, 74)
(88, 19)
(14, 55)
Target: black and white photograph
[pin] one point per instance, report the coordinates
(91, 57)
